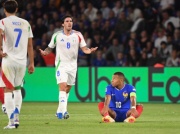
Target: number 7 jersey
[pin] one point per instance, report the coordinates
(17, 31)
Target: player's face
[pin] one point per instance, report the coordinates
(116, 81)
(68, 24)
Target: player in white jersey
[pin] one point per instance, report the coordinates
(67, 43)
(15, 44)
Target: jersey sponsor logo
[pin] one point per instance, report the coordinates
(16, 23)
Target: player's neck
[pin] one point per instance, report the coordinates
(8, 14)
(120, 87)
(67, 32)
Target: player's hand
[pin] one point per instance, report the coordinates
(2, 54)
(134, 112)
(31, 69)
(44, 53)
(93, 49)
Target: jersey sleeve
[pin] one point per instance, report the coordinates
(108, 90)
(53, 41)
(2, 25)
(82, 42)
(30, 32)
(132, 89)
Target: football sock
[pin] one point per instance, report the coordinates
(100, 106)
(67, 96)
(18, 103)
(2, 95)
(9, 103)
(62, 108)
(139, 108)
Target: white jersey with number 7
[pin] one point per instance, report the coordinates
(16, 34)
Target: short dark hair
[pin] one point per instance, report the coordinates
(120, 74)
(10, 6)
(66, 16)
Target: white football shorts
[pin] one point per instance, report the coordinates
(12, 73)
(66, 74)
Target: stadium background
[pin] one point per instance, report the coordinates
(132, 36)
(160, 85)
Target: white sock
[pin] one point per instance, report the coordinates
(17, 101)
(67, 95)
(9, 103)
(62, 102)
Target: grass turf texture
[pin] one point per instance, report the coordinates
(39, 118)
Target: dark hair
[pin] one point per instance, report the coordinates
(120, 74)
(66, 16)
(10, 6)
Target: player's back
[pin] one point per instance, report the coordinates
(16, 34)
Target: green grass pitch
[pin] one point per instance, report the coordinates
(39, 118)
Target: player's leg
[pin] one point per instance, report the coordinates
(139, 108)
(70, 82)
(2, 100)
(2, 85)
(20, 73)
(132, 114)
(62, 77)
(66, 114)
(107, 116)
(8, 79)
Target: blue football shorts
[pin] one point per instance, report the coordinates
(120, 114)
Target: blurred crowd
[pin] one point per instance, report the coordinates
(126, 32)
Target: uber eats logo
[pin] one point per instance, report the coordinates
(152, 84)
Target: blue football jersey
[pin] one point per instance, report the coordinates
(120, 98)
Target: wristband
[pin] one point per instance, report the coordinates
(133, 107)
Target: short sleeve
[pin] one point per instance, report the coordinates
(81, 40)
(132, 89)
(30, 32)
(108, 90)
(53, 41)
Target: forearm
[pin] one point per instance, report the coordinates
(48, 50)
(30, 52)
(107, 100)
(86, 50)
(133, 101)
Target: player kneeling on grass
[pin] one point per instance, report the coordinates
(120, 101)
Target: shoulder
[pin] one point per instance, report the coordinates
(57, 33)
(131, 87)
(76, 32)
(109, 86)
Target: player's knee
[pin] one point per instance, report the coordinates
(62, 87)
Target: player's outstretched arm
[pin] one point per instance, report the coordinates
(89, 50)
(45, 52)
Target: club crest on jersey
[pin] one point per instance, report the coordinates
(125, 95)
(74, 39)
